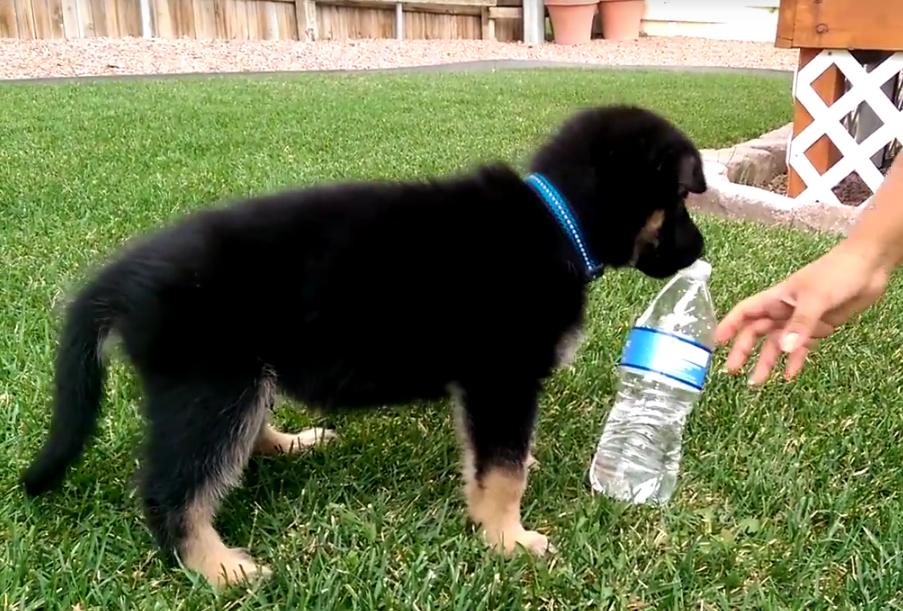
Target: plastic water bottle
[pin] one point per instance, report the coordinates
(662, 372)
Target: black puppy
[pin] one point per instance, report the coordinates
(368, 294)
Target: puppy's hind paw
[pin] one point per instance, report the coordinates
(273, 442)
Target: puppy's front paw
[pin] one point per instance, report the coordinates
(230, 567)
(536, 543)
(508, 540)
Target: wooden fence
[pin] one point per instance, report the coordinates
(259, 19)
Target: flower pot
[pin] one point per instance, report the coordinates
(621, 18)
(572, 20)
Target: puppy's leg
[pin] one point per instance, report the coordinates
(201, 437)
(495, 429)
(271, 441)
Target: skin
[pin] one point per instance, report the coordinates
(809, 305)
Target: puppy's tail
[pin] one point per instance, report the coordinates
(78, 387)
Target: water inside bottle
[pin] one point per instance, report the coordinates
(639, 453)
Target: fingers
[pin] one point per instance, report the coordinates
(773, 303)
(769, 355)
(746, 341)
(797, 359)
(733, 322)
(804, 323)
(768, 358)
(748, 337)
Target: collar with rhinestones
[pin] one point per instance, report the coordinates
(558, 206)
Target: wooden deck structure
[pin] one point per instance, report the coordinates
(850, 60)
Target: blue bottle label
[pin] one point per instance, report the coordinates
(674, 357)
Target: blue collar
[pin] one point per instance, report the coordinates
(558, 206)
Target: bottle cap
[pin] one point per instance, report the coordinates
(699, 270)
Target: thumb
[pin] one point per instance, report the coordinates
(803, 323)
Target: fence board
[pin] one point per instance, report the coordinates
(247, 18)
(25, 19)
(286, 18)
(71, 26)
(162, 17)
(255, 20)
(8, 26)
(99, 17)
(424, 26)
(48, 18)
(344, 22)
(241, 20)
(111, 18)
(152, 20)
(266, 13)
(56, 15)
(252, 20)
(219, 17)
(128, 15)
(233, 18)
(204, 19)
(41, 18)
(85, 18)
(116, 17)
(270, 23)
(185, 26)
(509, 30)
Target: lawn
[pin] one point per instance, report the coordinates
(789, 497)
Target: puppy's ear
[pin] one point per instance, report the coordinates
(690, 175)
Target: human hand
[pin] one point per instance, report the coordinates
(795, 314)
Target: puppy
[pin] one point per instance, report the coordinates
(366, 294)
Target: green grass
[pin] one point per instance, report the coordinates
(789, 496)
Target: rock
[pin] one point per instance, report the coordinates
(755, 162)
(747, 165)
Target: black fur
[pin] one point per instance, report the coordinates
(367, 294)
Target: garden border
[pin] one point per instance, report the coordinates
(735, 173)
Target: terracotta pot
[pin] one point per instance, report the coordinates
(621, 18)
(572, 20)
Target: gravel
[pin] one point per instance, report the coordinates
(105, 56)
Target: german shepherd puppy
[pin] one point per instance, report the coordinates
(366, 294)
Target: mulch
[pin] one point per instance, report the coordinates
(851, 191)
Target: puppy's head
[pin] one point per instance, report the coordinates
(626, 173)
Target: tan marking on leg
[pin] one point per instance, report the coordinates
(569, 345)
(271, 441)
(655, 222)
(468, 468)
(203, 550)
(493, 501)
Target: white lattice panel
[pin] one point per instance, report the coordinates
(864, 86)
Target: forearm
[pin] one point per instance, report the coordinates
(879, 231)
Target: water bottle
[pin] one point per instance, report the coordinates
(661, 375)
